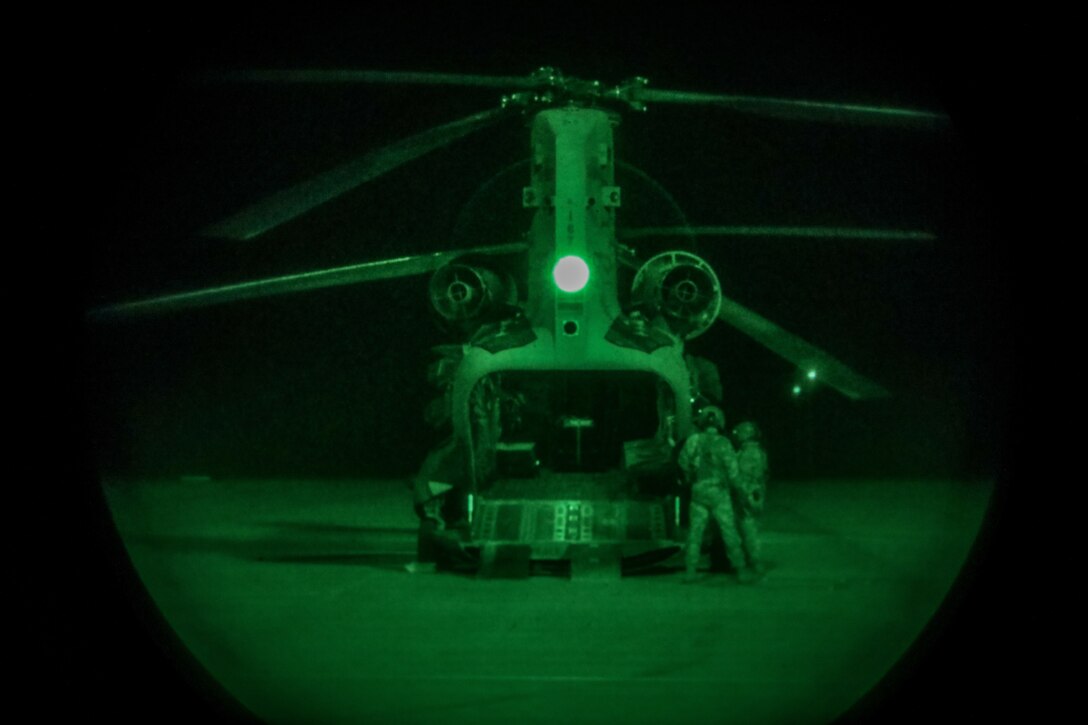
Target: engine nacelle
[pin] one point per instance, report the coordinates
(466, 294)
(682, 288)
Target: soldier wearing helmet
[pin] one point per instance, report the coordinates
(751, 491)
(710, 466)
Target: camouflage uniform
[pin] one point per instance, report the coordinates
(441, 472)
(750, 494)
(710, 463)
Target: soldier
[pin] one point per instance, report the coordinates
(438, 545)
(710, 465)
(751, 491)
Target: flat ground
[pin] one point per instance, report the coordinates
(294, 596)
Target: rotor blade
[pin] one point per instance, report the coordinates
(802, 110)
(297, 200)
(803, 232)
(338, 276)
(371, 77)
(800, 353)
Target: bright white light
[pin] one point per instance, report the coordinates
(571, 273)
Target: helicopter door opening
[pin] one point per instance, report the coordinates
(573, 421)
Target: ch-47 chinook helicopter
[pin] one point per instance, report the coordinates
(565, 392)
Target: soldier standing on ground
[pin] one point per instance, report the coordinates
(439, 543)
(709, 464)
(751, 490)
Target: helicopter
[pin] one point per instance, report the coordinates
(564, 393)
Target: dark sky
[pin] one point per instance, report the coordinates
(332, 382)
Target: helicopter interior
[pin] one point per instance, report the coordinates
(579, 421)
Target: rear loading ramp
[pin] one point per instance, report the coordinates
(563, 529)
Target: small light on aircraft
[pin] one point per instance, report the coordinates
(571, 273)
(796, 389)
(811, 375)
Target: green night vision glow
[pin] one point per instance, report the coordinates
(796, 389)
(571, 273)
(811, 374)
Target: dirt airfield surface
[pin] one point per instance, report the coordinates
(293, 596)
